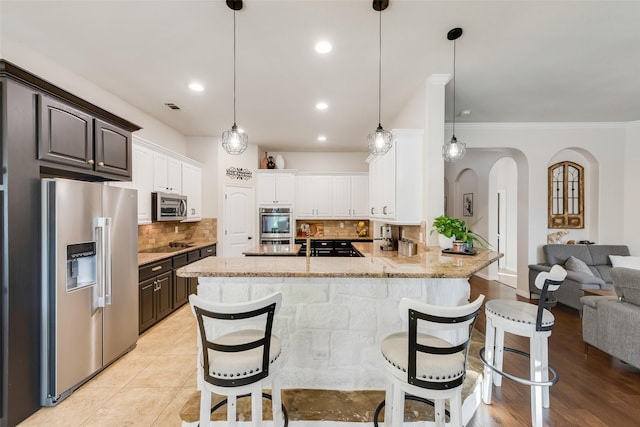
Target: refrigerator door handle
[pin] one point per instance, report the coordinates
(107, 271)
(103, 236)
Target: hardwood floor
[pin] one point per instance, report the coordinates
(593, 390)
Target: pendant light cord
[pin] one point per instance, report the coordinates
(454, 89)
(234, 67)
(379, 64)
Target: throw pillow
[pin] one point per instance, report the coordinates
(576, 264)
(625, 261)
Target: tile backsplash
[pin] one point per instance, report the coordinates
(161, 233)
(331, 228)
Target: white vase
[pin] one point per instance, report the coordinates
(445, 242)
(279, 162)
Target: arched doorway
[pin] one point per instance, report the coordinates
(503, 219)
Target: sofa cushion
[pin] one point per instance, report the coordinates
(600, 253)
(575, 264)
(626, 282)
(625, 261)
(558, 254)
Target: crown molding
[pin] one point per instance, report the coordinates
(546, 125)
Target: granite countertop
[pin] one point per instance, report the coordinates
(430, 263)
(147, 258)
(334, 237)
(278, 250)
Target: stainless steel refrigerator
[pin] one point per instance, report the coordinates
(90, 281)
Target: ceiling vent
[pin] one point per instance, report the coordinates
(172, 105)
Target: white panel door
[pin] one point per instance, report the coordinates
(240, 217)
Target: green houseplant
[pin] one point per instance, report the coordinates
(456, 229)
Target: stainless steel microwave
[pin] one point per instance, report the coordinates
(168, 207)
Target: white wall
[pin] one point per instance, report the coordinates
(205, 149)
(152, 129)
(324, 161)
(539, 143)
(631, 194)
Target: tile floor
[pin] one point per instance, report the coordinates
(146, 387)
(156, 381)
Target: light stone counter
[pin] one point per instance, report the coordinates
(274, 250)
(375, 264)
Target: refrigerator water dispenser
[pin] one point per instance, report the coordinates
(81, 265)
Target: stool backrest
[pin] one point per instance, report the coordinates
(209, 314)
(548, 282)
(435, 318)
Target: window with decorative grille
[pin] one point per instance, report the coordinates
(566, 195)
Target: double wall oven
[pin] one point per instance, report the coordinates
(276, 226)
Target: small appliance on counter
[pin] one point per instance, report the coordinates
(389, 234)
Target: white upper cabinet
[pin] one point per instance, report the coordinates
(350, 196)
(396, 180)
(192, 188)
(275, 188)
(155, 169)
(167, 173)
(141, 180)
(314, 198)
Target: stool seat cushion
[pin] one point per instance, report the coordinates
(429, 367)
(518, 311)
(244, 363)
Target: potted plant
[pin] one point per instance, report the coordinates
(452, 229)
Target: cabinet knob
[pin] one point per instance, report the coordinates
(384, 210)
(100, 163)
(372, 213)
(90, 161)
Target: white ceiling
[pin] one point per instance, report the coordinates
(517, 61)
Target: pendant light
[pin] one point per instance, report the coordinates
(380, 141)
(234, 141)
(454, 149)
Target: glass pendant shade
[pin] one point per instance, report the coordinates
(380, 141)
(234, 141)
(453, 150)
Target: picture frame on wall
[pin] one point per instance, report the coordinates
(467, 204)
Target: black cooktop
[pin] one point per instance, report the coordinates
(171, 247)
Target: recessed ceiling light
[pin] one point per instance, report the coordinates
(464, 113)
(196, 87)
(322, 106)
(322, 138)
(323, 47)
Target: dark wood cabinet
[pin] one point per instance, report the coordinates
(208, 251)
(45, 131)
(155, 294)
(65, 134)
(72, 138)
(112, 149)
(162, 291)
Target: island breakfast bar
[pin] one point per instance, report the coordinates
(337, 311)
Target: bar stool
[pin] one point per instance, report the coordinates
(425, 367)
(527, 320)
(237, 355)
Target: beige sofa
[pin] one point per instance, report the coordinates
(611, 323)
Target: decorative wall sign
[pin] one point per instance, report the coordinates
(239, 173)
(467, 204)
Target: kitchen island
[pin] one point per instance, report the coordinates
(336, 311)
